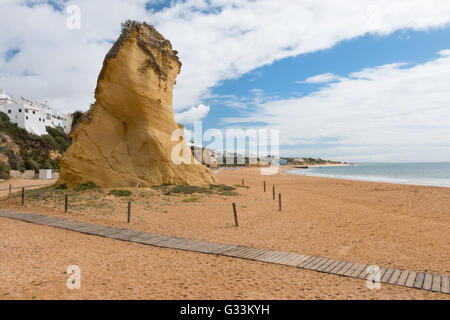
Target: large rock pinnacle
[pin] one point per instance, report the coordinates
(125, 138)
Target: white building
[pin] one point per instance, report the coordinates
(33, 116)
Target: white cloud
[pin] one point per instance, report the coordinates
(321, 78)
(393, 112)
(235, 37)
(193, 114)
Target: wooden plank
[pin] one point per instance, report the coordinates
(47, 220)
(418, 283)
(206, 247)
(402, 278)
(353, 268)
(124, 235)
(214, 247)
(75, 225)
(311, 262)
(35, 218)
(271, 257)
(436, 286)
(294, 259)
(387, 275)
(194, 245)
(428, 281)
(175, 243)
(252, 253)
(72, 225)
(287, 258)
(255, 255)
(264, 255)
(332, 266)
(411, 278)
(187, 245)
(144, 238)
(13, 215)
(158, 240)
(326, 265)
(50, 220)
(307, 261)
(202, 246)
(82, 227)
(382, 272)
(344, 269)
(445, 284)
(232, 250)
(178, 243)
(357, 271)
(244, 252)
(275, 257)
(191, 245)
(320, 264)
(316, 264)
(20, 215)
(218, 248)
(395, 276)
(7, 214)
(91, 229)
(297, 259)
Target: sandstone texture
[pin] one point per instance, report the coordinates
(125, 138)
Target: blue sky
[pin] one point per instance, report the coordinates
(363, 82)
(280, 79)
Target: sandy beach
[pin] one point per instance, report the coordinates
(389, 225)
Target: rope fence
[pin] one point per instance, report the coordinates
(232, 202)
(30, 186)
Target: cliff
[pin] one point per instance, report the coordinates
(21, 150)
(125, 138)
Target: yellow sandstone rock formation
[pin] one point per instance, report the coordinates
(125, 138)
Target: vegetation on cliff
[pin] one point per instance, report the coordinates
(20, 150)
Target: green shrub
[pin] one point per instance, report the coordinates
(4, 171)
(30, 164)
(220, 187)
(190, 199)
(48, 141)
(76, 117)
(187, 189)
(86, 186)
(120, 193)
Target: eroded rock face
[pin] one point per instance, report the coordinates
(125, 138)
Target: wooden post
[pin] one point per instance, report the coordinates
(235, 215)
(129, 212)
(264, 186)
(273, 192)
(279, 202)
(243, 182)
(10, 189)
(23, 196)
(66, 202)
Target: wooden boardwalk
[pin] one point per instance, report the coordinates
(406, 278)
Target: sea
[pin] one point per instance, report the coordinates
(425, 174)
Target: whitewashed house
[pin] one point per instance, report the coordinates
(33, 116)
